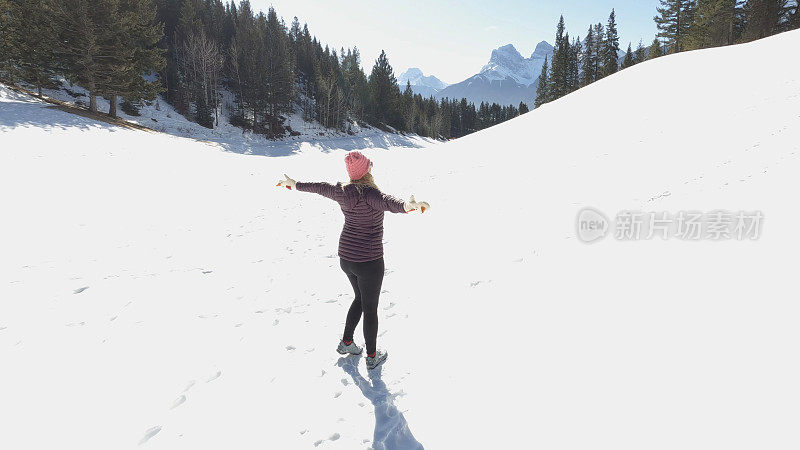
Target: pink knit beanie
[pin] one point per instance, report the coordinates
(357, 164)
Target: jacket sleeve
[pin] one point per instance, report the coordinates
(384, 202)
(323, 189)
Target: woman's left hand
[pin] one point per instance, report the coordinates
(288, 183)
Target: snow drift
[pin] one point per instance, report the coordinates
(162, 293)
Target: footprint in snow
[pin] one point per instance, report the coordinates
(189, 386)
(149, 434)
(76, 324)
(345, 381)
(337, 394)
(214, 376)
(333, 437)
(79, 290)
(290, 347)
(178, 402)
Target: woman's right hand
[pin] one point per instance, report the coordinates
(288, 183)
(412, 205)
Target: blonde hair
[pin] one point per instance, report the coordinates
(366, 180)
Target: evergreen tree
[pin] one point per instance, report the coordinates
(713, 25)
(6, 46)
(32, 36)
(543, 89)
(356, 84)
(523, 108)
(132, 41)
(559, 69)
(107, 46)
(764, 18)
(628, 61)
(655, 49)
(674, 21)
(574, 72)
(599, 44)
(640, 55)
(384, 91)
(589, 62)
(279, 80)
(409, 107)
(81, 24)
(611, 47)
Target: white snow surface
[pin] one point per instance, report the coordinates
(160, 292)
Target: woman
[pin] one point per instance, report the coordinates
(361, 245)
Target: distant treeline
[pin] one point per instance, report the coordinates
(191, 49)
(682, 25)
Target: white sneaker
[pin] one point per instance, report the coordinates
(345, 349)
(380, 357)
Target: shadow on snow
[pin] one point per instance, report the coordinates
(391, 428)
(266, 147)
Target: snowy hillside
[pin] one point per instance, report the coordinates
(161, 116)
(159, 292)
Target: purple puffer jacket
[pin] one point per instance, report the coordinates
(362, 235)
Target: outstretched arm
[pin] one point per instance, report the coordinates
(385, 202)
(323, 189)
(379, 201)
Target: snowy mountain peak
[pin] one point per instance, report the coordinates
(542, 49)
(507, 63)
(506, 55)
(413, 73)
(420, 84)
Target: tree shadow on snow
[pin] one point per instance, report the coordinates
(391, 428)
(39, 114)
(260, 146)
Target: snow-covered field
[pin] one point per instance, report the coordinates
(161, 292)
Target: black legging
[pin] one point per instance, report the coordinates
(366, 278)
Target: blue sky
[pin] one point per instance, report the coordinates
(454, 39)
